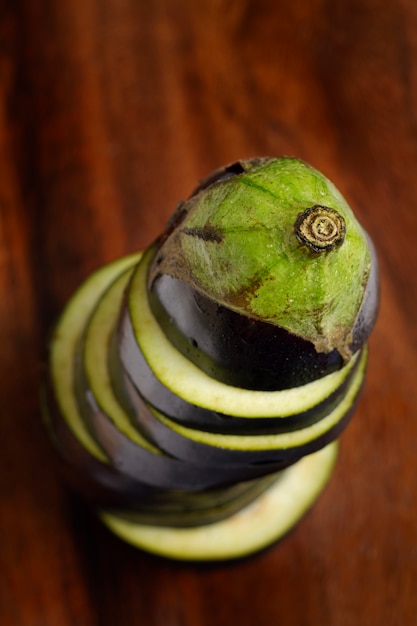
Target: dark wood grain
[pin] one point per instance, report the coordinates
(110, 111)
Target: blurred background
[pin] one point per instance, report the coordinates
(110, 113)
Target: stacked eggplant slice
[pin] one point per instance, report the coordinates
(196, 391)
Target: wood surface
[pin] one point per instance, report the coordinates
(110, 112)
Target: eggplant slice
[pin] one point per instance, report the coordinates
(252, 529)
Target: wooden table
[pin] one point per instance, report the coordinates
(110, 111)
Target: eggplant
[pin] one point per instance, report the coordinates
(267, 281)
(246, 352)
(195, 392)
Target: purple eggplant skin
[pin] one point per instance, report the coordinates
(368, 312)
(245, 352)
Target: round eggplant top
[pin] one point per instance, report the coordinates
(273, 239)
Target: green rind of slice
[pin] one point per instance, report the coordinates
(253, 528)
(64, 342)
(281, 441)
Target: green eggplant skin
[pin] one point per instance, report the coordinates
(237, 242)
(369, 309)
